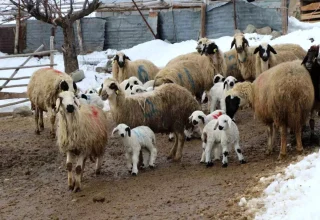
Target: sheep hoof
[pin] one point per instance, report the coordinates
(188, 139)
(268, 152)
(130, 171)
(152, 166)
(209, 164)
(169, 157)
(98, 172)
(52, 134)
(41, 127)
(225, 165)
(77, 189)
(177, 159)
(37, 132)
(134, 174)
(202, 162)
(243, 161)
(281, 156)
(71, 187)
(300, 151)
(170, 139)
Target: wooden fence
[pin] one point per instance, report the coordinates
(13, 95)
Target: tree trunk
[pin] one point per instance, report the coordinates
(69, 49)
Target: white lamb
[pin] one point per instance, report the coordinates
(91, 99)
(227, 136)
(141, 138)
(218, 92)
(137, 89)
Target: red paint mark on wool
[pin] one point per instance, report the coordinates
(94, 111)
(56, 71)
(217, 115)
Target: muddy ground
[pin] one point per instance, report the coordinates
(33, 178)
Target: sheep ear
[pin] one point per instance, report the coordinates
(127, 86)
(58, 104)
(190, 118)
(100, 90)
(75, 87)
(233, 43)
(216, 125)
(225, 84)
(128, 130)
(114, 131)
(126, 57)
(114, 87)
(304, 59)
(256, 50)
(202, 118)
(245, 41)
(84, 96)
(64, 86)
(272, 49)
(217, 79)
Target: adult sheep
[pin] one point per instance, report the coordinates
(123, 68)
(44, 86)
(282, 96)
(166, 109)
(246, 59)
(81, 134)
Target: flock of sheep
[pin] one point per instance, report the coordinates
(280, 83)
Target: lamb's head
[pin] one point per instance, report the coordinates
(133, 81)
(91, 91)
(240, 95)
(121, 58)
(110, 87)
(67, 102)
(218, 78)
(240, 42)
(229, 82)
(137, 89)
(202, 42)
(197, 117)
(264, 50)
(224, 122)
(312, 58)
(121, 130)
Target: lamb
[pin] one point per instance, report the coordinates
(165, 110)
(135, 140)
(91, 99)
(44, 86)
(137, 89)
(268, 57)
(123, 68)
(246, 60)
(202, 42)
(81, 134)
(312, 64)
(271, 97)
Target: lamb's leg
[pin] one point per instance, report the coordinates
(239, 153)
(283, 147)
(135, 160)
(145, 156)
(171, 136)
(36, 118)
(129, 161)
(153, 156)
(216, 152)
(203, 156)
(83, 165)
(69, 169)
(52, 121)
(225, 154)
(79, 171)
(41, 120)
(208, 150)
(98, 165)
(271, 133)
(213, 105)
(174, 147)
(181, 139)
(299, 141)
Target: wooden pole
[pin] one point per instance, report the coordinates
(17, 78)
(29, 54)
(203, 19)
(51, 53)
(145, 20)
(79, 33)
(235, 15)
(25, 67)
(16, 37)
(14, 103)
(16, 71)
(10, 95)
(284, 11)
(13, 86)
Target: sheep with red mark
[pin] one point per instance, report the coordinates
(44, 86)
(81, 134)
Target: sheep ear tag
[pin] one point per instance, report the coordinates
(117, 92)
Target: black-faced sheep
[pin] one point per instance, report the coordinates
(166, 109)
(44, 86)
(282, 96)
(135, 140)
(123, 68)
(81, 134)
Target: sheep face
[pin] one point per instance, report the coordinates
(201, 44)
(121, 130)
(121, 58)
(137, 89)
(311, 58)
(197, 117)
(133, 81)
(218, 78)
(109, 88)
(224, 122)
(229, 82)
(264, 51)
(240, 43)
(67, 102)
(91, 91)
(232, 105)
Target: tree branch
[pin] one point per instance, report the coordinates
(80, 14)
(71, 7)
(84, 4)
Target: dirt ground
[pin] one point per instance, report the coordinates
(33, 178)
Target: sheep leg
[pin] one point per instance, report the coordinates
(213, 105)
(146, 157)
(135, 160)
(208, 150)
(36, 118)
(83, 165)
(69, 169)
(52, 121)
(239, 153)
(41, 120)
(217, 152)
(153, 156)
(225, 155)
(299, 141)
(203, 156)
(174, 147)
(129, 161)
(271, 135)
(181, 139)
(98, 165)
(79, 172)
(283, 148)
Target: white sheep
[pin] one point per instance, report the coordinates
(91, 99)
(81, 134)
(137, 89)
(141, 138)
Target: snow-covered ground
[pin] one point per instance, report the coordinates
(293, 195)
(157, 51)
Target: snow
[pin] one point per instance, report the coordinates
(293, 195)
(157, 51)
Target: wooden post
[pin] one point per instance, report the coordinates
(284, 13)
(51, 53)
(79, 33)
(203, 19)
(235, 15)
(16, 37)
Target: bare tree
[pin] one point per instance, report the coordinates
(51, 12)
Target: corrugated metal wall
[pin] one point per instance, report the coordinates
(7, 39)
